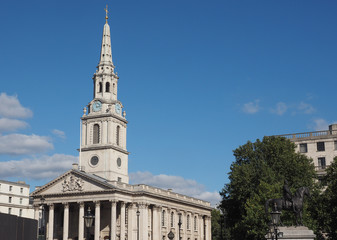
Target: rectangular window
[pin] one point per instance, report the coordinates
(119, 179)
(21, 190)
(20, 200)
(20, 213)
(335, 145)
(320, 146)
(321, 163)
(9, 210)
(10, 188)
(10, 199)
(303, 148)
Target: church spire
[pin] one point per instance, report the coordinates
(106, 58)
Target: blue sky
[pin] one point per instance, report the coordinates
(197, 79)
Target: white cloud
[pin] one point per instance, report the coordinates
(45, 167)
(10, 107)
(177, 184)
(9, 125)
(320, 124)
(18, 144)
(280, 108)
(59, 133)
(251, 107)
(306, 108)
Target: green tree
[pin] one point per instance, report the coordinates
(258, 174)
(324, 204)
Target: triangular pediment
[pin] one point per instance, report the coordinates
(73, 181)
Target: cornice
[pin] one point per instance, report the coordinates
(84, 149)
(104, 115)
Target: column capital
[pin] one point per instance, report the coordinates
(113, 201)
(97, 203)
(81, 204)
(142, 205)
(51, 205)
(157, 207)
(66, 204)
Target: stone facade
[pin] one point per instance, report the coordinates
(115, 206)
(14, 199)
(100, 181)
(321, 146)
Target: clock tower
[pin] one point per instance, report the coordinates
(103, 141)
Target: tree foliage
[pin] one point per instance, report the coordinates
(324, 204)
(258, 174)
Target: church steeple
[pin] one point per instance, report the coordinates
(106, 58)
(103, 143)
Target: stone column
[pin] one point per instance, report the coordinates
(122, 237)
(208, 228)
(81, 221)
(97, 220)
(84, 133)
(89, 136)
(192, 226)
(66, 221)
(143, 221)
(104, 132)
(51, 222)
(131, 220)
(113, 221)
(201, 228)
(36, 212)
(156, 228)
(108, 131)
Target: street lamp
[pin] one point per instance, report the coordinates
(42, 229)
(88, 220)
(275, 220)
(179, 224)
(138, 213)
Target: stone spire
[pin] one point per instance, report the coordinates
(106, 58)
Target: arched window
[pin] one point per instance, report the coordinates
(107, 87)
(100, 86)
(188, 221)
(195, 223)
(113, 88)
(96, 134)
(117, 135)
(163, 218)
(172, 219)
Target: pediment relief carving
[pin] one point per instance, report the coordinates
(72, 183)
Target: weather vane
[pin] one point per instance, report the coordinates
(106, 13)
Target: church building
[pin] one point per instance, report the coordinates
(98, 187)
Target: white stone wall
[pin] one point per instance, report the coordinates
(19, 194)
(329, 153)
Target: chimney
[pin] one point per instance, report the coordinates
(75, 166)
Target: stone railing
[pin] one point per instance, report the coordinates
(316, 134)
(159, 191)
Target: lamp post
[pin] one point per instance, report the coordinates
(179, 224)
(88, 220)
(43, 218)
(275, 220)
(138, 213)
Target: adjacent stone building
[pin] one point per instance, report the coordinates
(321, 146)
(14, 199)
(100, 181)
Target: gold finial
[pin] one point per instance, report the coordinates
(106, 13)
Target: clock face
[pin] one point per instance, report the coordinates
(118, 108)
(96, 106)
